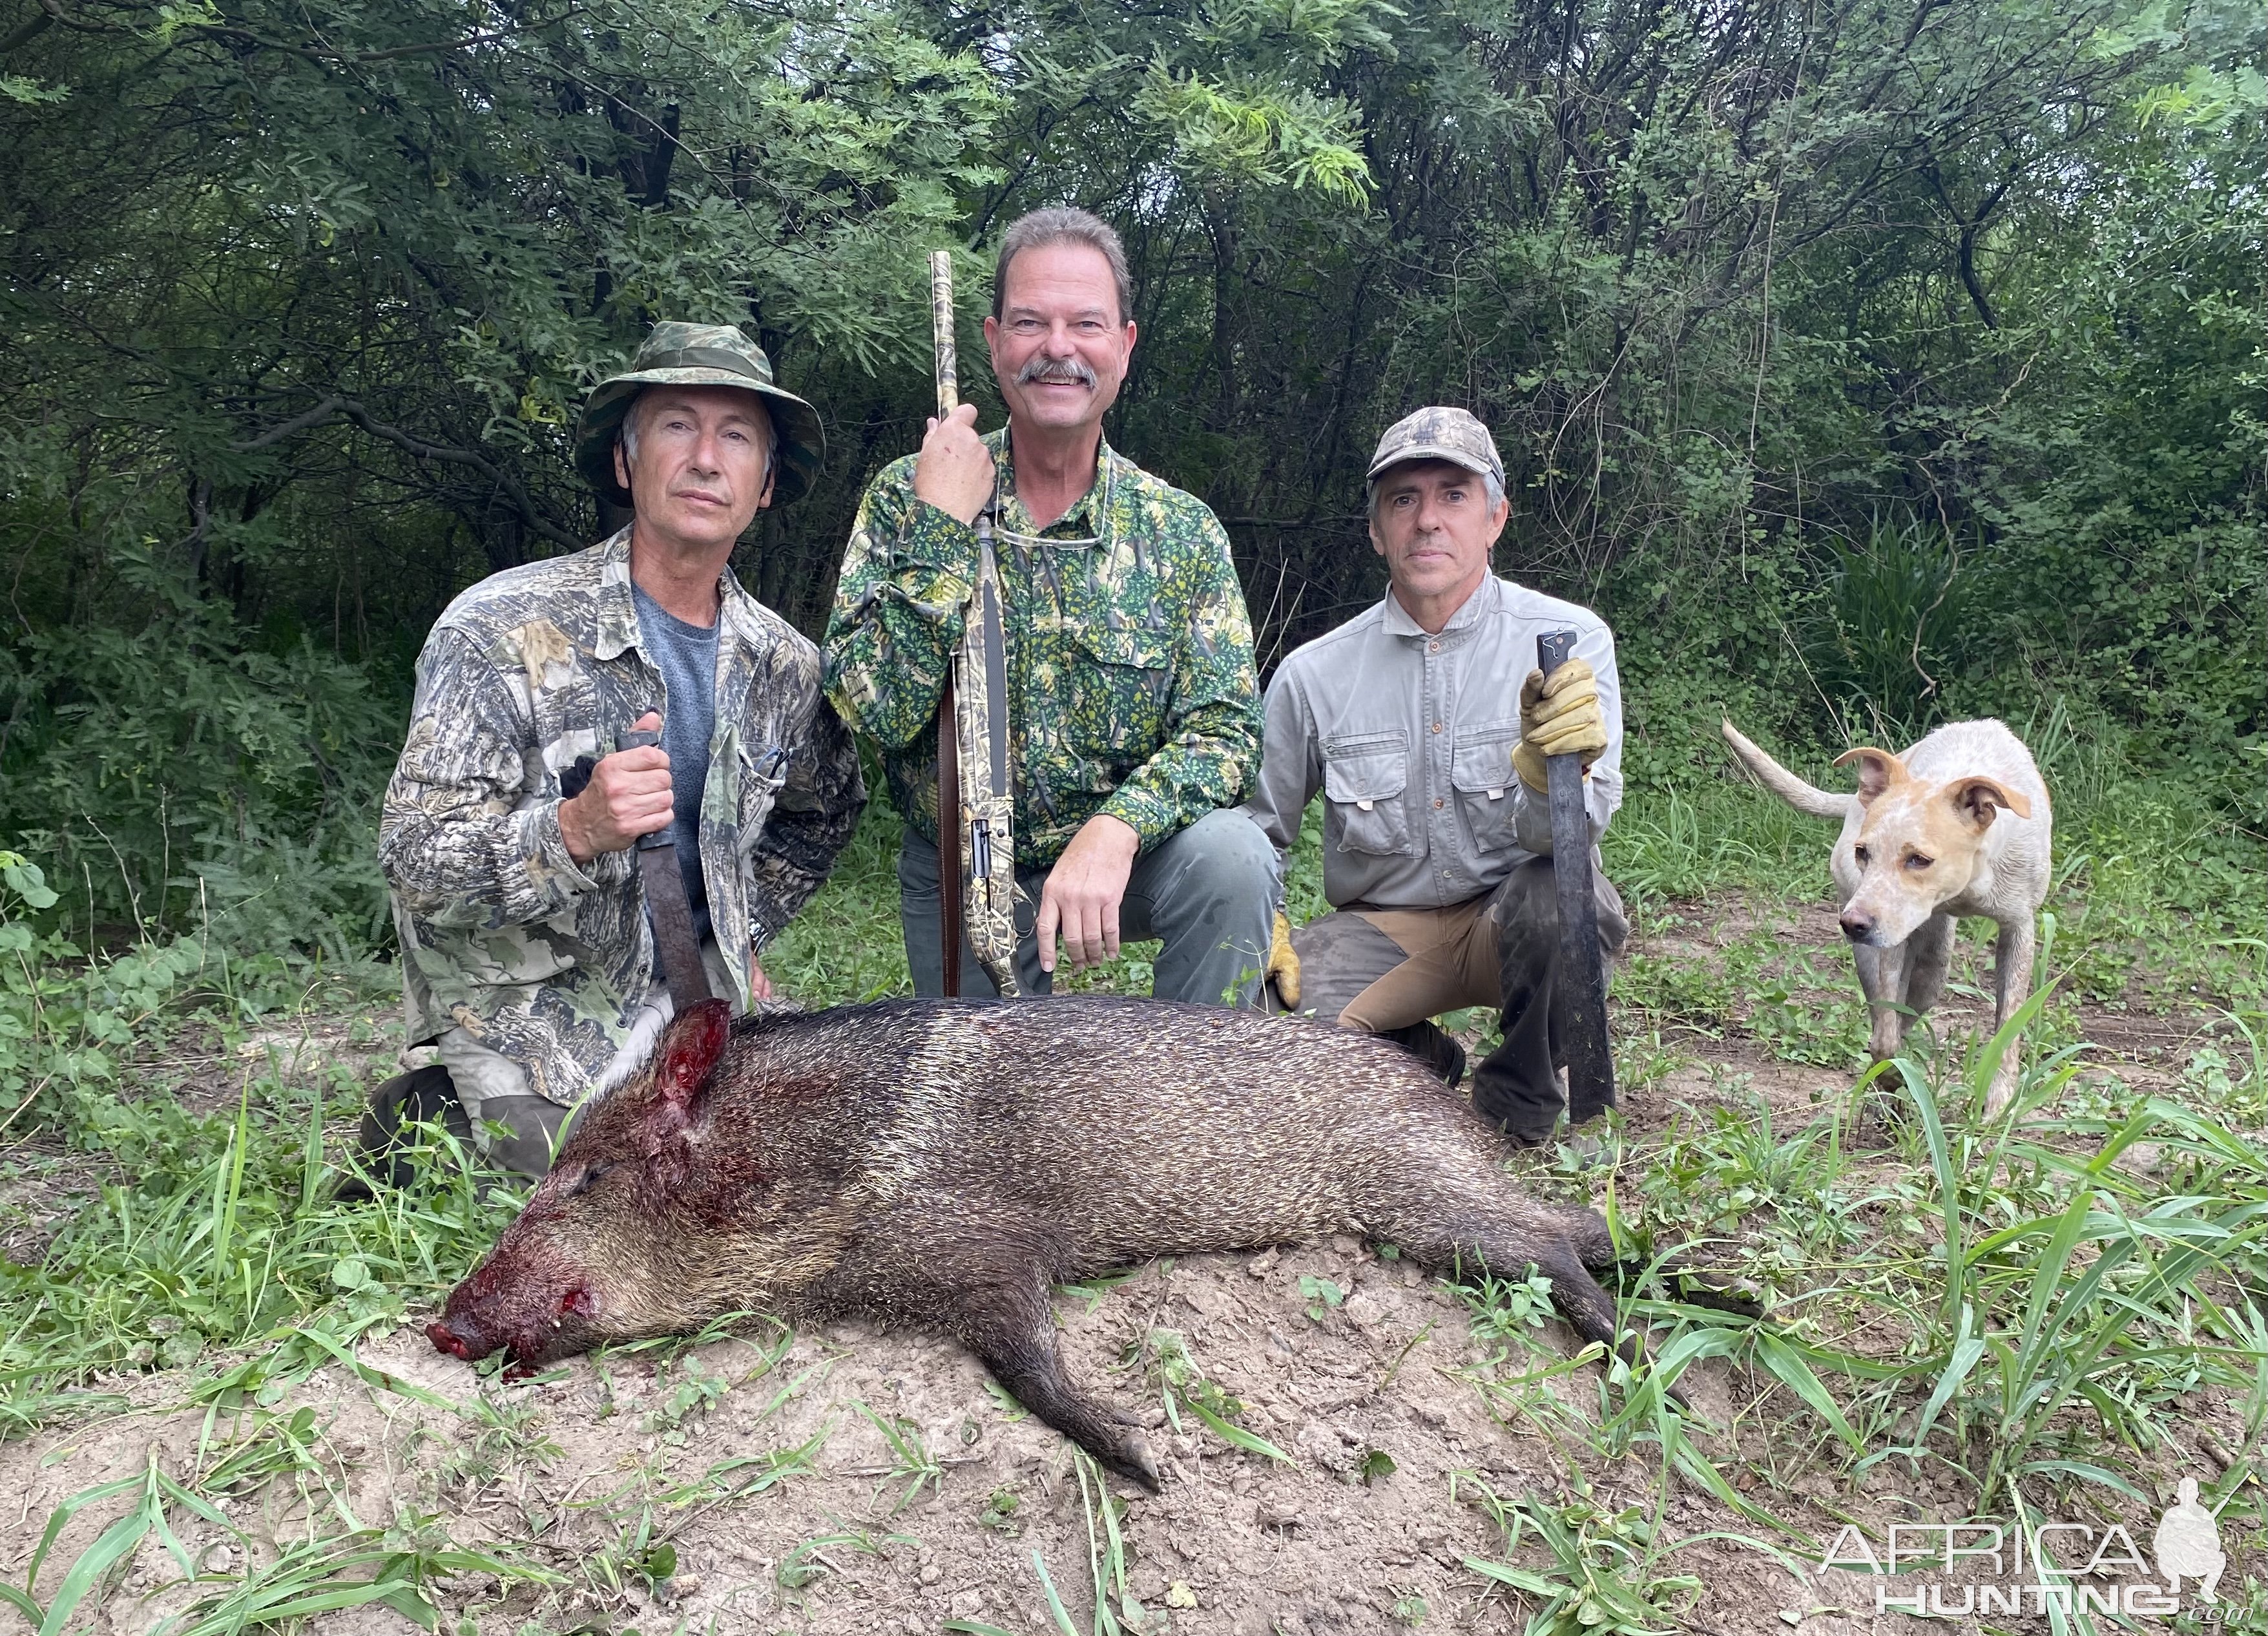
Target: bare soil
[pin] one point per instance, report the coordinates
(567, 1468)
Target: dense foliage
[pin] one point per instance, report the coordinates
(1865, 363)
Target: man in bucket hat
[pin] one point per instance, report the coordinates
(1425, 722)
(527, 961)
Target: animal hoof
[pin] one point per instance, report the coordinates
(1136, 1459)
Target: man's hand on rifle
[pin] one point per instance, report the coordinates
(630, 795)
(1084, 891)
(953, 471)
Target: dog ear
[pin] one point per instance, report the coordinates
(1979, 799)
(1878, 770)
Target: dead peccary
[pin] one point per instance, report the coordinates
(943, 1163)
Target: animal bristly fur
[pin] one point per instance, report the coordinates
(942, 1163)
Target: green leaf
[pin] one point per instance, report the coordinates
(1230, 1432)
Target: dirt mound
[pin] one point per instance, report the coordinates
(849, 1479)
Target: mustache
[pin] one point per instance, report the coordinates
(1062, 372)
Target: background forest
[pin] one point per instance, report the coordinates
(1867, 363)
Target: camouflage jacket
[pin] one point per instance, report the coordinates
(1130, 685)
(542, 960)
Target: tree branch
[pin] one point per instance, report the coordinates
(350, 409)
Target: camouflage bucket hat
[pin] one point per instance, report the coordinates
(698, 355)
(1439, 433)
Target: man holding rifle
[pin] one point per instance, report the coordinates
(1427, 724)
(1132, 708)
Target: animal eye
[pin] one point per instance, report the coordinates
(1862, 854)
(589, 1177)
(1915, 861)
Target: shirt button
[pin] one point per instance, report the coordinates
(1437, 726)
(1433, 647)
(1437, 800)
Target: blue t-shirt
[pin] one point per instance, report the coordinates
(686, 655)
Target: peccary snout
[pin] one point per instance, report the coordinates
(527, 1320)
(459, 1341)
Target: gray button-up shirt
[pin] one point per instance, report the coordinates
(1409, 737)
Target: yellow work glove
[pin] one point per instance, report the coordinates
(1559, 716)
(1283, 964)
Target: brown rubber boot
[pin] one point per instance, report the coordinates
(1434, 1046)
(531, 1127)
(421, 1095)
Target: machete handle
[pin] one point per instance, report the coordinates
(1553, 649)
(652, 839)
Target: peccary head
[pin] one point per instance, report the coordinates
(613, 1244)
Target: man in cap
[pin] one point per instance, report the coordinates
(1425, 722)
(527, 959)
(1132, 705)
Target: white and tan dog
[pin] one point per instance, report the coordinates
(1923, 843)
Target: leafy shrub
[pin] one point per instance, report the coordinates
(176, 776)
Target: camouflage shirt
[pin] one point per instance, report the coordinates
(541, 959)
(1130, 686)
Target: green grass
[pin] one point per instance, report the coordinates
(2033, 1305)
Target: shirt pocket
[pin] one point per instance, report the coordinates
(1480, 771)
(567, 746)
(1114, 708)
(764, 773)
(1363, 779)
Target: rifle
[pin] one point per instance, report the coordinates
(975, 844)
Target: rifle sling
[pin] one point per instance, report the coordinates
(948, 835)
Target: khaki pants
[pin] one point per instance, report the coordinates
(1390, 971)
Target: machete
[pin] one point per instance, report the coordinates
(669, 907)
(1582, 977)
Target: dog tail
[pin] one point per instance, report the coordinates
(1783, 782)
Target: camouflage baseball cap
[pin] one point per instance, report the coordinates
(698, 355)
(1439, 433)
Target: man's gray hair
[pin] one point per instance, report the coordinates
(1060, 223)
(1491, 491)
(629, 431)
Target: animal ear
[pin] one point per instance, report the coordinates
(689, 1049)
(1878, 770)
(1979, 799)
